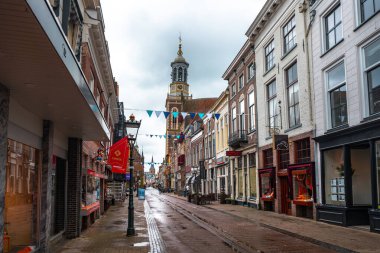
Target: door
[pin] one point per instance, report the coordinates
(285, 201)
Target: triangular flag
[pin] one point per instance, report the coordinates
(201, 114)
(177, 136)
(155, 135)
(217, 115)
(192, 115)
(169, 136)
(158, 113)
(149, 112)
(147, 135)
(175, 114)
(166, 114)
(209, 115)
(160, 136)
(151, 135)
(165, 136)
(184, 114)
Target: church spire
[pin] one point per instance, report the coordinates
(179, 53)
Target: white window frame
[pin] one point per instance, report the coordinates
(293, 29)
(327, 89)
(358, 13)
(241, 81)
(270, 52)
(233, 117)
(241, 115)
(233, 89)
(252, 123)
(251, 70)
(324, 26)
(364, 80)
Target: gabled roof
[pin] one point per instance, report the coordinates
(199, 105)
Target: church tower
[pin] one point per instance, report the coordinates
(152, 170)
(178, 94)
(179, 66)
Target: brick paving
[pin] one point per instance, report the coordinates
(108, 234)
(343, 239)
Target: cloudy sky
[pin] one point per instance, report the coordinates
(143, 40)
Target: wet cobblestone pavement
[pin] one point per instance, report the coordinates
(108, 234)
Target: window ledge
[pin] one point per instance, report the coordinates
(364, 22)
(337, 129)
(289, 51)
(292, 128)
(268, 138)
(252, 131)
(269, 70)
(371, 118)
(330, 49)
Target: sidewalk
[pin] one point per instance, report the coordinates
(343, 239)
(108, 234)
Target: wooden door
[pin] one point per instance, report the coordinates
(285, 201)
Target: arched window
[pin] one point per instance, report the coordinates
(174, 74)
(180, 74)
(174, 119)
(185, 74)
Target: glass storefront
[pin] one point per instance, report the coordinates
(21, 193)
(91, 190)
(361, 174)
(266, 187)
(302, 186)
(240, 182)
(252, 183)
(334, 177)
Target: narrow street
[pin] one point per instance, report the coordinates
(168, 223)
(186, 227)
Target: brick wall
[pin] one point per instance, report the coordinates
(74, 188)
(4, 113)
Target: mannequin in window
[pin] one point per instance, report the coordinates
(180, 74)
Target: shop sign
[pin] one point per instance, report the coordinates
(280, 142)
(233, 153)
(118, 156)
(93, 173)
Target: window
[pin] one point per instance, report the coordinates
(269, 56)
(283, 159)
(174, 118)
(180, 74)
(372, 75)
(368, 8)
(289, 33)
(378, 170)
(91, 81)
(251, 109)
(272, 105)
(252, 159)
(334, 177)
(233, 88)
(303, 151)
(293, 96)
(240, 162)
(242, 115)
(213, 145)
(234, 126)
(268, 157)
(251, 71)
(336, 86)
(333, 28)
(241, 81)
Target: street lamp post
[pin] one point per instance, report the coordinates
(132, 128)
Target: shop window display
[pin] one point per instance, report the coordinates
(302, 187)
(20, 194)
(334, 177)
(267, 191)
(91, 191)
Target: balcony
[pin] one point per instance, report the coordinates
(237, 138)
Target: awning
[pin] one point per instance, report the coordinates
(42, 73)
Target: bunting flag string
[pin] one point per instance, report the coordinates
(176, 114)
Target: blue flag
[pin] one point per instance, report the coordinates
(192, 115)
(217, 116)
(149, 112)
(166, 114)
(201, 114)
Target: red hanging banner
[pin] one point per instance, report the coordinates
(118, 156)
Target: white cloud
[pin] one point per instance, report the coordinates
(143, 40)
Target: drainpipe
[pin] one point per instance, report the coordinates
(303, 8)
